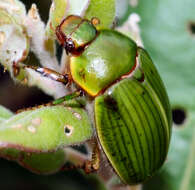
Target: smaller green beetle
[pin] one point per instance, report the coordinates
(131, 107)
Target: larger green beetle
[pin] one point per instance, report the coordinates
(131, 107)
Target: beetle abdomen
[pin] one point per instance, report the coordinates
(133, 129)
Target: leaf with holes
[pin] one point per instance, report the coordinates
(35, 138)
(37, 162)
(45, 129)
(167, 29)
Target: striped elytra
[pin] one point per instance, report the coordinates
(153, 78)
(133, 124)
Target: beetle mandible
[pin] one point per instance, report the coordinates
(131, 107)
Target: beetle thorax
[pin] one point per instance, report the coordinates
(110, 56)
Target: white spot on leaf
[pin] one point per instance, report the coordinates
(77, 115)
(17, 126)
(69, 108)
(36, 121)
(31, 129)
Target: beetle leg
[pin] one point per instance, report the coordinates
(45, 72)
(57, 101)
(77, 160)
(93, 164)
(68, 97)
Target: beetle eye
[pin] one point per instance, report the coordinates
(69, 45)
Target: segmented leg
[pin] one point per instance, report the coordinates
(51, 74)
(60, 100)
(45, 72)
(80, 161)
(93, 164)
(68, 97)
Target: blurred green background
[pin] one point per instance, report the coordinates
(168, 33)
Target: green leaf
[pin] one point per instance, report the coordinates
(57, 12)
(168, 35)
(40, 163)
(104, 10)
(44, 163)
(77, 7)
(179, 173)
(35, 138)
(4, 113)
(45, 129)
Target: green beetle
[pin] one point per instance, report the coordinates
(131, 107)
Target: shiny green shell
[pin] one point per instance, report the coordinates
(133, 123)
(110, 56)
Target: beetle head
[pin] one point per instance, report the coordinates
(74, 33)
